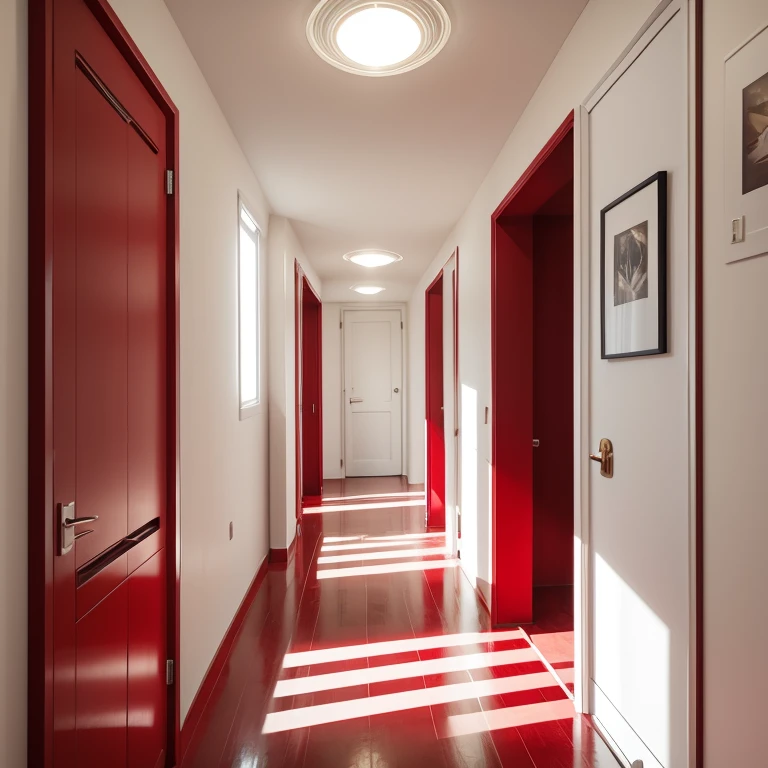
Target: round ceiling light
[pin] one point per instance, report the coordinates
(372, 258)
(367, 290)
(378, 38)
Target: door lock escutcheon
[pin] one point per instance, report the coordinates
(67, 524)
(605, 457)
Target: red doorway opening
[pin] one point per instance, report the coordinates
(309, 393)
(532, 378)
(435, 401)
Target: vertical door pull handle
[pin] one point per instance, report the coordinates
(605, 457)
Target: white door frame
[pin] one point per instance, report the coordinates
(379, 307)
(583, 637)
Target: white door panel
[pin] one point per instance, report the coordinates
(373, 392)
(639, 519)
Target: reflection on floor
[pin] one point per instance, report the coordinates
(370, 649)
(552, 631)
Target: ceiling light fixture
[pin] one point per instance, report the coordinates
(378, 38)
(367, 290)
(372, 258)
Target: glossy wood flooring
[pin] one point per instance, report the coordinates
(371, 650)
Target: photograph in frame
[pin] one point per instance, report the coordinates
(633, 271)
(745, 150)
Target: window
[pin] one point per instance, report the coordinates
(248, 305)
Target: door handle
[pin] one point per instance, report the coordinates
(355, 400)
(67, 524)
(71, 523)
(605, 457)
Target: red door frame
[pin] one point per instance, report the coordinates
(433, 340)
(305, 294)
(42, 531)
(512, 531)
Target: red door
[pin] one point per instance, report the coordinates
(311, 395)
(110, 393)
(435, 406)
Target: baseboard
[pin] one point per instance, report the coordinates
(216, 666)
(278, 556)
(481, 595)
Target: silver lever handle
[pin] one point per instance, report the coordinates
(70, 522)
(355, 399)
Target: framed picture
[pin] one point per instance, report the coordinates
(633, 271)
(746, 149)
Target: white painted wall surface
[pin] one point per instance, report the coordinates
(333, 378)
(735, 438)
(283, 250)
(602, 32)
(13, 382)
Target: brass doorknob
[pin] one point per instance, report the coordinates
(605, 457)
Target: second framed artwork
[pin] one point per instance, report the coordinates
(633, 271)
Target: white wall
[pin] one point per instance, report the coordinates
(333, 384)
(735, 438)
(602, 32)
(13, 382)
(284, 249)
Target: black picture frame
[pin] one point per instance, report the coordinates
(660, 179)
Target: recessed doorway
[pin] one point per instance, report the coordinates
(309, 392)
(533, 375)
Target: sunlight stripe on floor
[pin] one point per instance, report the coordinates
(366, 537)
(362, 507)
(506, 717)
(308, 717)
(440, 666)
(400, 554)
(376, 496)
(362, 545)
(378, 570)
(387, 647)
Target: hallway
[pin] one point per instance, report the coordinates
(363, 613)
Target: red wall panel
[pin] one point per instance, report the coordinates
(310, 415)
(553, 399)
(434, 407)
(513, 422)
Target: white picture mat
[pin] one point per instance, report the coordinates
(744, 66)
(634, 326)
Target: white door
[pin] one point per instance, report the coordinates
(373, 392)
(639, 519)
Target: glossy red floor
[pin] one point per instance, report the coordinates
(370, 649)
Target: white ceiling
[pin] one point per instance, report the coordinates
(361, 162)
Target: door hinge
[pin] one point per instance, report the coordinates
(341, 462)
(401, 325)
(169, 182)
(169, 672)
(341, 325)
